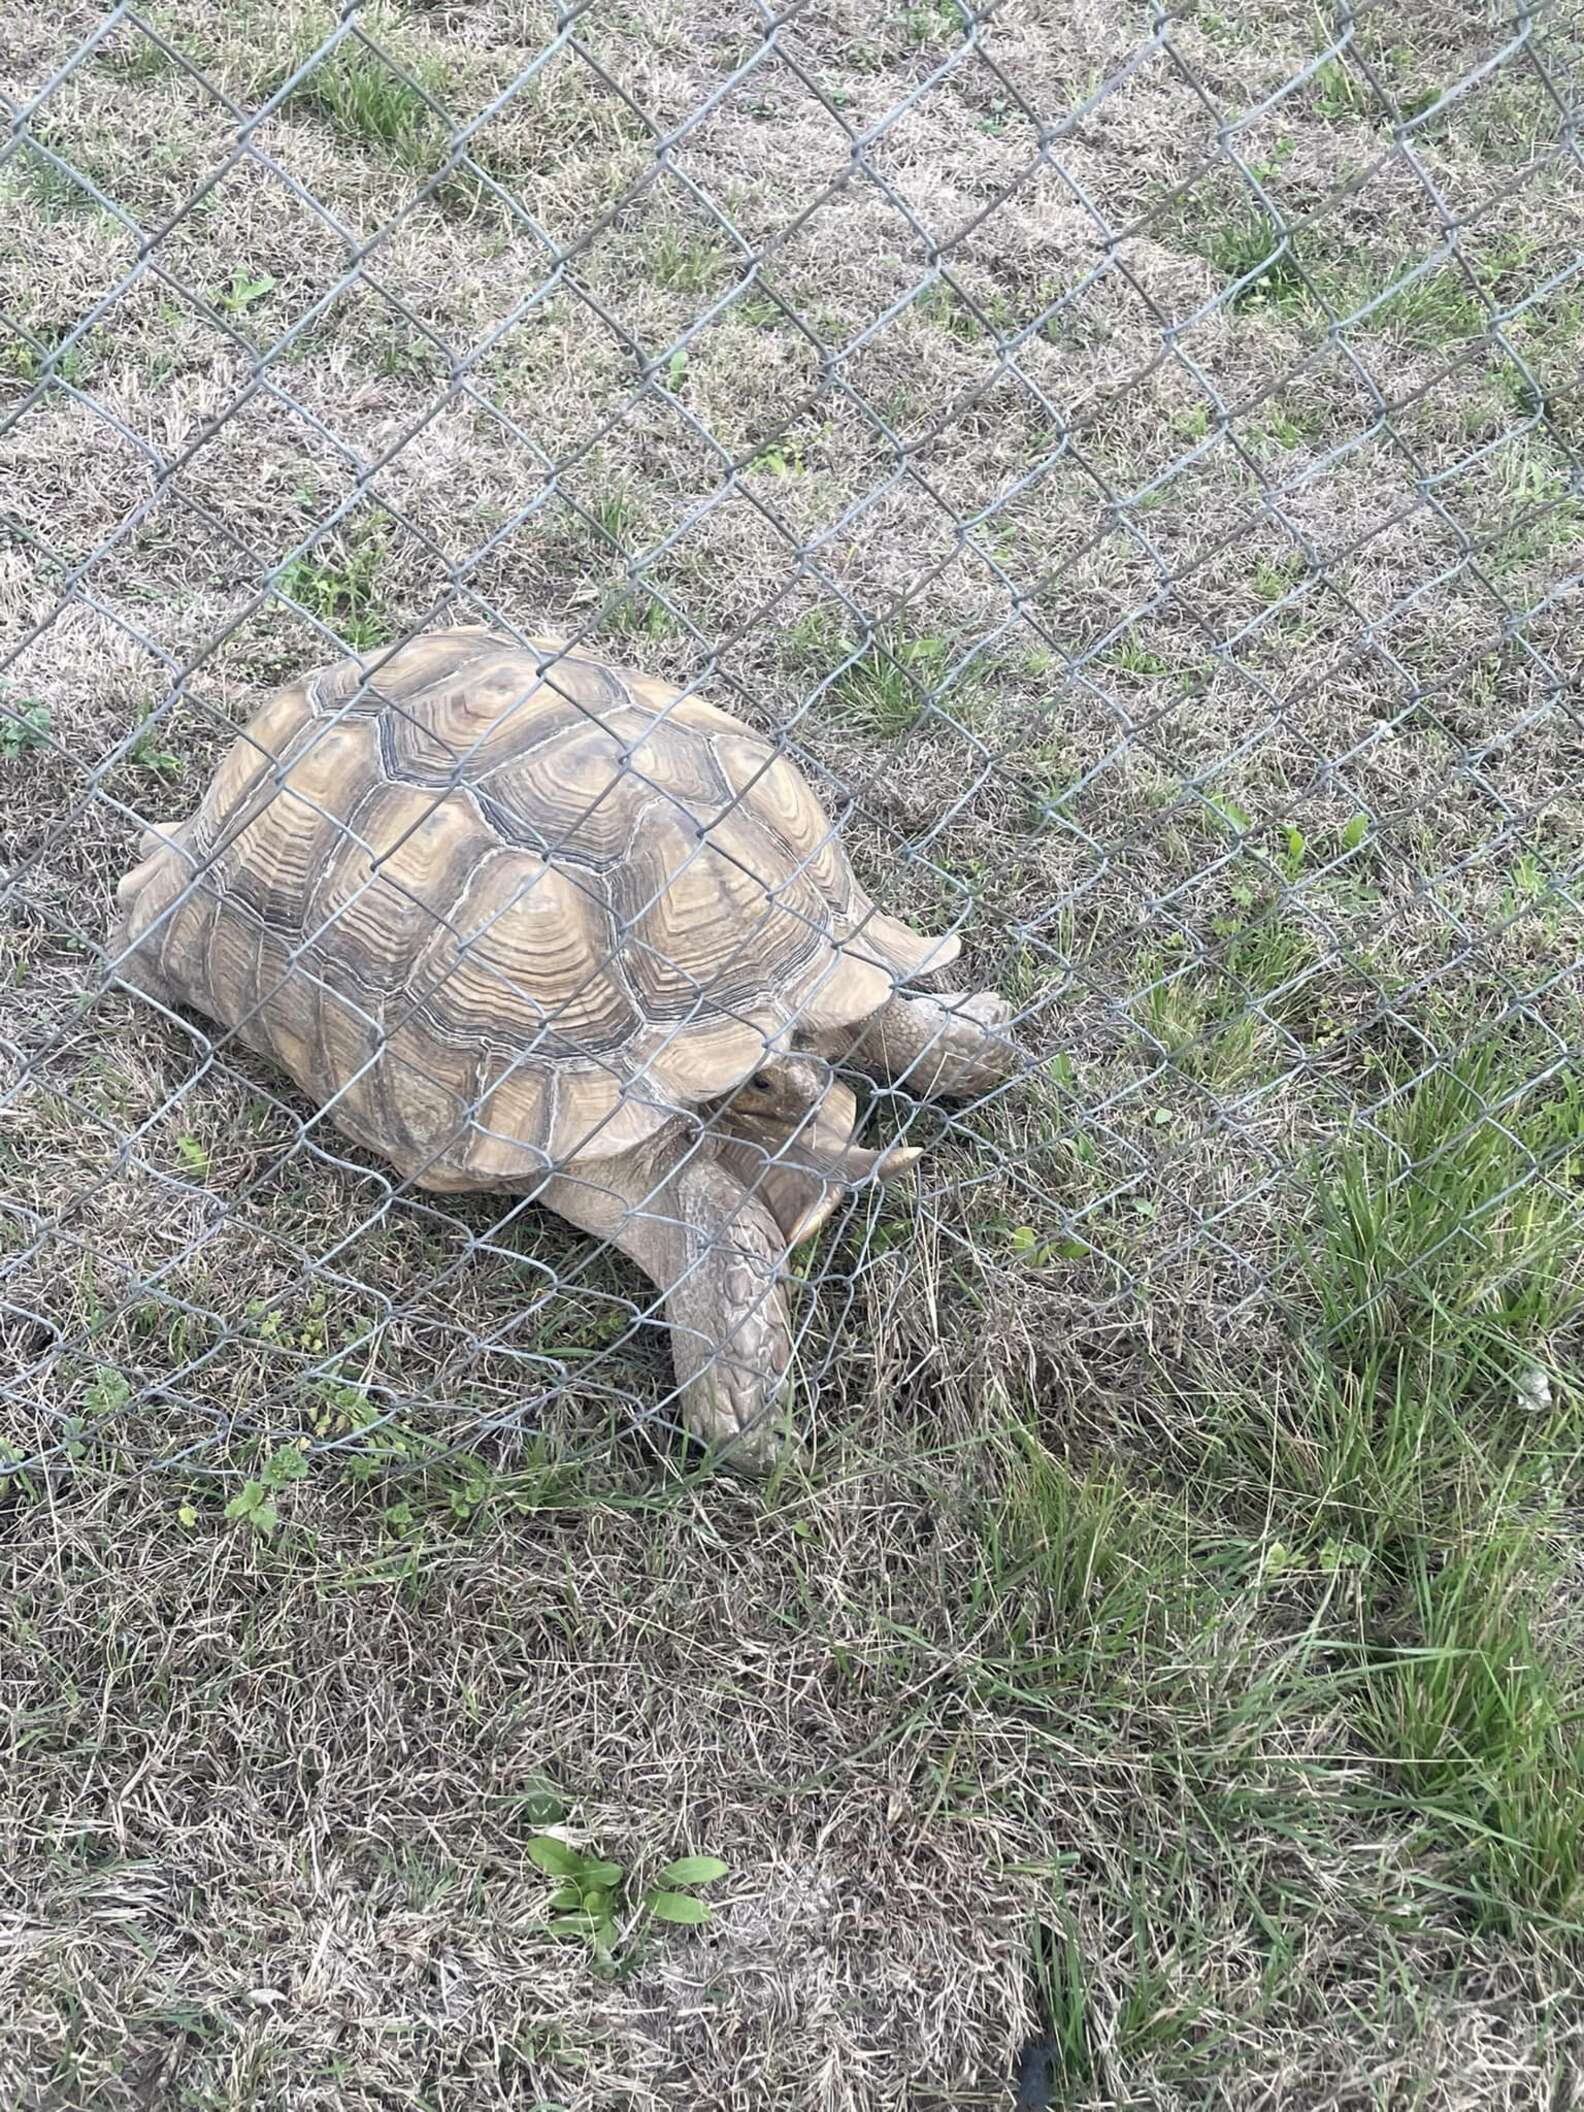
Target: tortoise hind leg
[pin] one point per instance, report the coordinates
(942, 1048)
(720, 1259)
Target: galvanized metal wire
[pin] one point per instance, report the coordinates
(155, 1351)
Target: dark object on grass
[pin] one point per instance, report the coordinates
(1039, 2074)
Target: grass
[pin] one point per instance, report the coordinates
(1161, 1685)
(1232, 1023)
(1476, 1724)
(684, 263)
(1399, 1541)
(40, 177)
(933, 22)
(134, 58)
(1259, 263)
(394, 102)
(149, 752)
(1341, 95)
(947, 309)
(1440, 1274)
(370, 104)
(1441, 308)
(49, 355)
(340, 585)
(1300, 273)
(890, 685)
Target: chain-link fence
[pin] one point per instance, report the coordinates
(1121, 468)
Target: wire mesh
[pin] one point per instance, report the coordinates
(1131, 473)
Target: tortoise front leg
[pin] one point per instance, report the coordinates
(942, 1048)
(720, 1258)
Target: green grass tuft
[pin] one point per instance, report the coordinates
(1258, 262)
(339, 583)
(367, 104)
(933, 22)
(892, 684)
(45, 183)
(684, 263)
(1477, 1730)
(1448, 1236)
(1441, 308)
(1227, 1019)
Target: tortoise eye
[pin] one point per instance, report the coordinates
(761, 1081)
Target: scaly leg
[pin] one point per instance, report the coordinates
(720, 1258)
(943, 1048)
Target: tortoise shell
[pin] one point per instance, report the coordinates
(501, 908)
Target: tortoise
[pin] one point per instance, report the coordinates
(516, 919)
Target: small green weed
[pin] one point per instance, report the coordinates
(1035, 1252)
(24, 728)
(590, 1902)
(406, 357)
(1340, 96)
(809, 640)
(1534, 892)
(1275, 577)
(1219, 814)
(243, 291)
(193, 1155)
(47, 353)
(1136, 659)
(340, 586)
(1285, 426)
(108, 1393)
(254, 1504)
(146, 753)
(783, 457)
(440, 1482)
(932, 22)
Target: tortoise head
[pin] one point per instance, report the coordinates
(788, 1136)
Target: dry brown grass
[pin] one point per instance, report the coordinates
(1234, 574)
